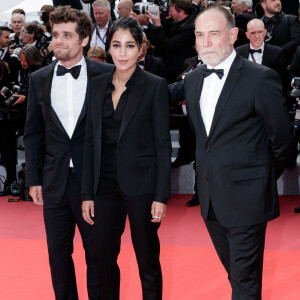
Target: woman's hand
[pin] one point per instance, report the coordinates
(158, 211)
(88, 211)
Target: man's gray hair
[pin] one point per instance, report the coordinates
(230, 22)
(104, 3)
(18, 15)
(248, 3)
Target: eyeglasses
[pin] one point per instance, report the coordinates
(25, 31)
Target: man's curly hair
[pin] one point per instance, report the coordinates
(66, 14)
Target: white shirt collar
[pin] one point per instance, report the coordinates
(82, 62)
(225, 64)
(262, 47)
(105, 27)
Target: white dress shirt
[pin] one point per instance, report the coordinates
(67, 97)
(100, 38)
(211, 90)
(257, 56)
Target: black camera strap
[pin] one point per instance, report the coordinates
(101, 38)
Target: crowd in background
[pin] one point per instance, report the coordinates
(269, 34)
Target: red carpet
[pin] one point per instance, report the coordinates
(191, 269)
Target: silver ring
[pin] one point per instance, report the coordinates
(155, 217)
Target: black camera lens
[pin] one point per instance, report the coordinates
(5, 91)
(11, 101)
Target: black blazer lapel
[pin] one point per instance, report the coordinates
(46, 79)
(98, 96)
(90, 73)
(231, 80)
(267, 55)
(194, 84)
(134, 99)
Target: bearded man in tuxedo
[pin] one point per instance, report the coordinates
(243, 139)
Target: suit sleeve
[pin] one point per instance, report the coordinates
(162, 141)
(87, 188)
(271, 108)
(34, 138)
(161, 40)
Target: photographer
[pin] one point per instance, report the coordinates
(13, 108)
(174, 44)
(44, 17)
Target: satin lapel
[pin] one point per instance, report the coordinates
(89, 68)
(98, 96)
(196, 99)
(47, 82)
(134, 99)
(231, 80)
(266, 54)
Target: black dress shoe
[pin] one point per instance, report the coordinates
(193, 202)
(297, 209)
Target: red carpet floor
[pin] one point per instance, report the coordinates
(191, 269)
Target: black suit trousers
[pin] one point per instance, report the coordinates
(60, 221)
(111, 209)
(241, 251)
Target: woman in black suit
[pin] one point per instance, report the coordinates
(126, 169)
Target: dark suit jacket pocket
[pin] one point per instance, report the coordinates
(248, 173)
(147, 161)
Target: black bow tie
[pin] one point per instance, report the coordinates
(219, 72)
(75, 71)
(255, 50)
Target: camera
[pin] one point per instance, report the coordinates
(15, 41)
(11, 95)
(44, 41)
(152, 6)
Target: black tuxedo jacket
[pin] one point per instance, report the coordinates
(247, 147)
(144, 147)
(273, 57)
(48, 146)
(155, 65)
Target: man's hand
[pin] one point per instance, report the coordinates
(88, 211)
(158, 211)
(36, 194)
(155, 19)
(21, 99)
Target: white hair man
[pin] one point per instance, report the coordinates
(102, 12)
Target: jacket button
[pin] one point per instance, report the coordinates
(207, 149)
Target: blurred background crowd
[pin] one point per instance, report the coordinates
(269, 34)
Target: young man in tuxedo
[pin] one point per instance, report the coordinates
(243, 139)
(54, 136)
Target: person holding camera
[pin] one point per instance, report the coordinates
(174, 44)
(13, 112)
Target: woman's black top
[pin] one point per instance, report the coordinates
(111, 124)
